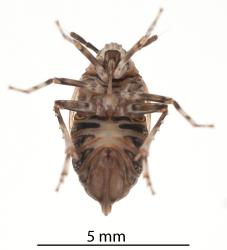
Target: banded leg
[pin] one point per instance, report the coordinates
(146, 176)
(144, 149)
(61, 81)
(83, 41)
(64, 172)
(76, 37)
(146, 108)
(70, 148)
(99, 68)
(72, 106)
(143, 41)
(168, 100)
(76, 106)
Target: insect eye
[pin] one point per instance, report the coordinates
(79, 117)
(139, 119)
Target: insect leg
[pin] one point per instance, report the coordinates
(145, 108)
(64, 172)
(168, 100)
(83, 41)
(146, 175)
(189, 118)
(77, 106)
(143, 41)
(144, 149)
(147, 39)
(76, 37)
(98, 67)
(69, 146)
(78, 44)
(72, 106)
(62, 81)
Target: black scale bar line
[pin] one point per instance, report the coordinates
(115, 245)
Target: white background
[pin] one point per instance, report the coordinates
(188, 165)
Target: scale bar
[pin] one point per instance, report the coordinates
(114, 245)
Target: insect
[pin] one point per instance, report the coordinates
(109, 136)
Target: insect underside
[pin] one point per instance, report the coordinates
(109, 136)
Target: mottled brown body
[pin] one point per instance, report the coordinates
(108, 142)
(109, 128)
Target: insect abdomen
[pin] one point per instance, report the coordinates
(107, 148)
